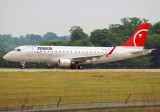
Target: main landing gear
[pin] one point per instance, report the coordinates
(22, 65)
(80, 66)
(74, 66)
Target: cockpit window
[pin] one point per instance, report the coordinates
(17, 50)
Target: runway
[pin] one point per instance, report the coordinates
(83, 70)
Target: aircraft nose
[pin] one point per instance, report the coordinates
(6, 57)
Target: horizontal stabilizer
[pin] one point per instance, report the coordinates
(144, 52)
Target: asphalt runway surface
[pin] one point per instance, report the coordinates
(76, 70)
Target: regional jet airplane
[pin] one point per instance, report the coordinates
(70, 56)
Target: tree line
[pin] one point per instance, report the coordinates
(115, 35)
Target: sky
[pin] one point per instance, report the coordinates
(21, 17)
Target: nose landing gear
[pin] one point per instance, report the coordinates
(22, 65)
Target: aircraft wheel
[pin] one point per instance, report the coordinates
(80, 66)
(73, 67)
(22, 67)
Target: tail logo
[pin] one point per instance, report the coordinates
(140, 34)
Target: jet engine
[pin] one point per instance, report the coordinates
(53, 62)
(64, 62)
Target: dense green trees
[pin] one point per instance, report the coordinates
(77, 33)
(115, 35)
(104, 38)
(53, 37)
(8, 42)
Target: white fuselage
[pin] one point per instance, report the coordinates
(71, 55)
(52, 54)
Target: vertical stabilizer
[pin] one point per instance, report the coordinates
(139, 37)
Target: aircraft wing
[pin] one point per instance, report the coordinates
(84, 58)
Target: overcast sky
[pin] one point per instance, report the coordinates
(21, 17)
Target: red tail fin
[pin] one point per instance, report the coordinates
(139, 37)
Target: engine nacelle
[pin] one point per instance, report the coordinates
(64, 62)
(53, 62)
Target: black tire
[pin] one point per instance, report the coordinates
(73, 66)
(22, 67)
(80, 66)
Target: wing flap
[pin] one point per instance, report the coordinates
(84, 58)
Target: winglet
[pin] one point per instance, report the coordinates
(111, 51)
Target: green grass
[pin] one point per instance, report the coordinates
(47, 87)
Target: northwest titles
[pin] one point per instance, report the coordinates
(44, 48)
